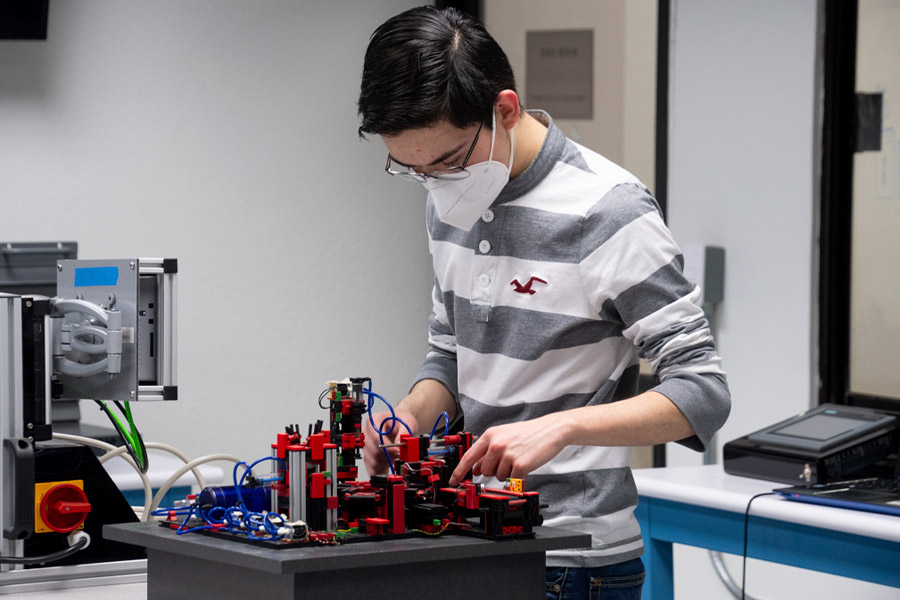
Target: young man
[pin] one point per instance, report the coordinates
(554, 273)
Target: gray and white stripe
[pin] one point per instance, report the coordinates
(608, 290)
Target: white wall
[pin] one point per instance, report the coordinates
(742, 169)
(223, 133)
(743, 165)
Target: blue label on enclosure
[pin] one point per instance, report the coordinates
(92, 276)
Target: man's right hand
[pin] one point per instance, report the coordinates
(375, 460)
(425, 402)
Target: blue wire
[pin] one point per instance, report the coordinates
(246, 523)
(446, 418)
(181, 530)
(270, 525)
(230, 518)
(248, 469)
(236, 520)
(212, 519)
(394, 419)
(254, 520)
(165, 511)
(237, 487)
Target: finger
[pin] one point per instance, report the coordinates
(389, 426)
(376, 462)
(518, 472)
(488, 464)
(371, 458)
(465, 463)
(504, 469)
(374, 458)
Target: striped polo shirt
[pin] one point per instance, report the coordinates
(547, 304)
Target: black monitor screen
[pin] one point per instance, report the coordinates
(23, 19)
(820, 427)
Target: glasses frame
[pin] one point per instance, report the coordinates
(451, 174)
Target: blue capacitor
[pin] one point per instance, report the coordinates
(255, 499)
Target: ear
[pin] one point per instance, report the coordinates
(507, 104)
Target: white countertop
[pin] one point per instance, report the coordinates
(709, 486)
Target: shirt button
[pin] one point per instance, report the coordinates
(484, 280)
(488, 216)
(484, 246)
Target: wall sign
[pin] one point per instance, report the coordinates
(559, 72)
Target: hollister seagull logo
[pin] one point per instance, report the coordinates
(526, 289)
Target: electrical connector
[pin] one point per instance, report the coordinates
(76, 536)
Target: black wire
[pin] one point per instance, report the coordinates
(144, 464)
(746, 523)
(33, 560)
(322, 397)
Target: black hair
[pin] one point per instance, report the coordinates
(425, 66)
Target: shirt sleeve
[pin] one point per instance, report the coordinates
(632, 271)
(440, 361)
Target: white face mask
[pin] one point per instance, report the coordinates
(460, 203)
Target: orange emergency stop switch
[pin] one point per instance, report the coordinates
(60, 506)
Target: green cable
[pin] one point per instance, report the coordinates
(139, 447)
(131, 437)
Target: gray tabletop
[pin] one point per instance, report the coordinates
(324, 558)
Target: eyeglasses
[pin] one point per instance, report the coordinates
(451, 174)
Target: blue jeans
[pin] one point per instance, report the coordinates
(612, 582)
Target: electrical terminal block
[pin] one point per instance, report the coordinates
(513, 485)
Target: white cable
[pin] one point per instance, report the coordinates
(158, 446)
(86, 441)
(171, 480)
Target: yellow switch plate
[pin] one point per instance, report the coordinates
(39, 490)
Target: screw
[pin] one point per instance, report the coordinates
(30, 426)
(131, 264)
(131, 393)
(28, 303)
(59, 267)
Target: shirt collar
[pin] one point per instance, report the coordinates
(549, 154)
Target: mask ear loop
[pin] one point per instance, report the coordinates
(512, 147)
(512, 152)
(493, 133)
